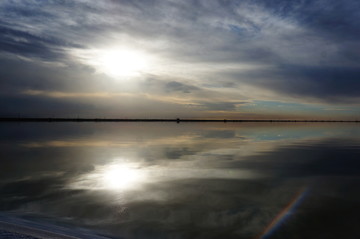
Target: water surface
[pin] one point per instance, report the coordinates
(187, 180)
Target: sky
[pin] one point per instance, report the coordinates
(259, 59)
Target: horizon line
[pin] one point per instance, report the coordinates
(178, 120)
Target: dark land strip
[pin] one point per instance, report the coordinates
(178, 120)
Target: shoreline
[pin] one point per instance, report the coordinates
(178, 120)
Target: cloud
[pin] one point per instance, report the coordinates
(225, 106)
(177, 86)
(37, 106)
(319, 83)
(213, 52)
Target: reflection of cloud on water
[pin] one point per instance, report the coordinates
(208, 184)
(105, 142)
(75, 143)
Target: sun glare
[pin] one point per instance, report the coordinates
(121, 177)
(127, 62)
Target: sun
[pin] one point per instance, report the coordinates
(119, 62)
(123, 62)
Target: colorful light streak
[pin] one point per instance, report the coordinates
(284, 214)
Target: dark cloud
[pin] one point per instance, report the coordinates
(17, 76)
(177, 86)
(327, 84)
(26, 44)
(39, 106)
(177, 153)
(327, 16)
(334, 19)
(21, 75)
(156, 83)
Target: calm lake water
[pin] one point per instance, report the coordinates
(187, 180)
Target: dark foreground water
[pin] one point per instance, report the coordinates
(187, 180)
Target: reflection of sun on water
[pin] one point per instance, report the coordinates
(121, 177)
